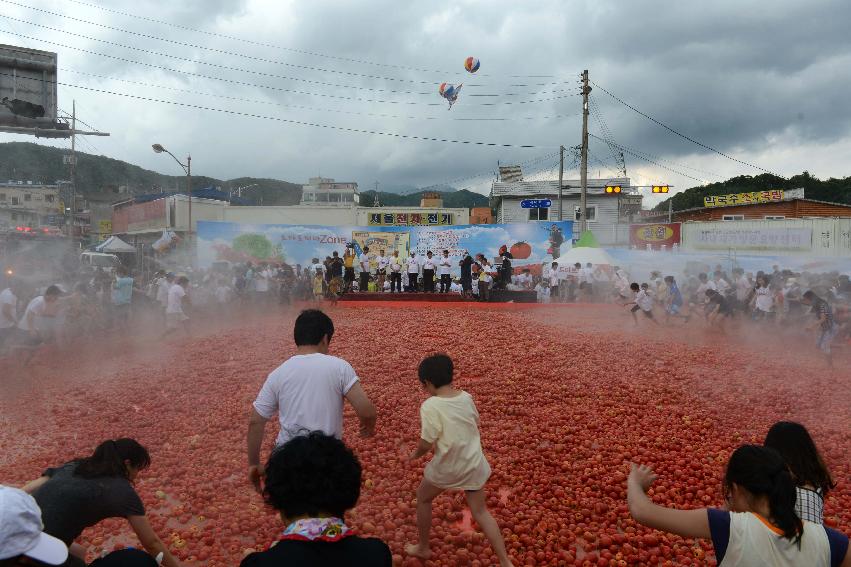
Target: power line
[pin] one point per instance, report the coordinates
(484, 173)
(279, 47)
(251, 57)
(639, 156)
(692, 140)
(665, 160)
(304, 107)
(269, 87)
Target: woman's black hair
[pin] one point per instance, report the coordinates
(310, 326)
(634, 286)
(793, 442)
(109, 459)
(763, 472)
(312, 475)
(436, 369)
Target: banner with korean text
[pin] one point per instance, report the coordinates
(528, 243)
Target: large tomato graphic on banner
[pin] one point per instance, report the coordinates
(521, 250)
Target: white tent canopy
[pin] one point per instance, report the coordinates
(113, 245)
(583, 255)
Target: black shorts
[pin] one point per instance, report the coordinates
(350, 275)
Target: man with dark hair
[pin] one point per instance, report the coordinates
(307, 392)
(429, 265)
(466, 275)
(445, 271)
(364, 270)
(312, 481)
(827, 327)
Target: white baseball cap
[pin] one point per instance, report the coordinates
(21, 529)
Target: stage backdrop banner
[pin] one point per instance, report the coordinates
(727, 235)
(529, 243)
(656, 235)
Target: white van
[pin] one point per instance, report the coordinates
(95, 260)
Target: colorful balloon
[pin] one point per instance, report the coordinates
(471, 64)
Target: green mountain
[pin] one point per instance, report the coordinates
(100, 174)
(462, 199)
(832, 190)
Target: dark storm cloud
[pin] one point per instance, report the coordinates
(756, 79)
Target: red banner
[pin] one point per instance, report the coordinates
(656, 235)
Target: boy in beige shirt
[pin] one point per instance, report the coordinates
(450, 426)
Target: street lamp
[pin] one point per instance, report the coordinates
(187, 169)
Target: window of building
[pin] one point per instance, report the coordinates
(774, 217)
(538, 214)
(732, 217)
(48, 198)
(591, 212)
(28, 197)
(14, 216)
(2, 196)
(14, 200)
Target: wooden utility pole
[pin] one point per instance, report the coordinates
(73, 168)
(560, 178)
(583, 199)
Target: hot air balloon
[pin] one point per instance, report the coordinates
(449, 92)
(471, 64)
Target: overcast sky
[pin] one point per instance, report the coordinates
(766, 82)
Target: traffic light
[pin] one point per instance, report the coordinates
(660, 188)
(613, 188)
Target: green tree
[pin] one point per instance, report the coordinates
(256, 245)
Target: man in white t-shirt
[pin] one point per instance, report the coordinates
(307, 392)
(395, 272)
(363, 265)
(444, 270)
(39, 315)
(413, 268)
(554, 282)
(429, 265)
(8, 311)
(175, 318)
(381, 262)
(705, 284)
(261, 283)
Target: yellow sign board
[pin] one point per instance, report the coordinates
(105, 227)
(410, 219)
(744, 198)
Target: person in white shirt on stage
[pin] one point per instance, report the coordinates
(381, 262)
(363, 262)
(413, 267)
(429, 264)
(395, 273)
(444, 270)
(553, 278)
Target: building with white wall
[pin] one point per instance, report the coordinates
(29, 204)
(606, 211)
(324, 192)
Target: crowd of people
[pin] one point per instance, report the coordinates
(774, 492)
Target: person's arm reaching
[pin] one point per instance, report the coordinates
(423, 447)
(686, 523)
(7, 313)
(151, 541)
(364, 409)
(256, 428)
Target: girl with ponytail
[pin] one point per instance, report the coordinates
(83, 492)
(759, 525)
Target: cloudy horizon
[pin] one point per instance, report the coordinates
(303, 89)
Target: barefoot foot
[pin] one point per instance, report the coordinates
(418, 551)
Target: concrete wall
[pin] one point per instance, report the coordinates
(605, 225)
(331, 216)
(790, 237)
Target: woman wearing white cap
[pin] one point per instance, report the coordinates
(21, 535)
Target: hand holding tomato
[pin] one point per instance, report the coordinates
(642, 476)
(255, 476)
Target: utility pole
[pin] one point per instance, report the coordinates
(560, 177)
(189, 190)
(73, 167)
(670, 209)
(583, 199)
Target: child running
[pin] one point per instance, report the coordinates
(641, 302)
(673, 300)
(450, 426)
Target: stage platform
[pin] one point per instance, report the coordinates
(429, 297)
(497, 296)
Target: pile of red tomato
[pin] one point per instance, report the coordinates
(567, 398)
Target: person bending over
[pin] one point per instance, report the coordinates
(311, 481)
(83, 492)
(812, 479)
(450, 427)
(22, 541)
(759, 525)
